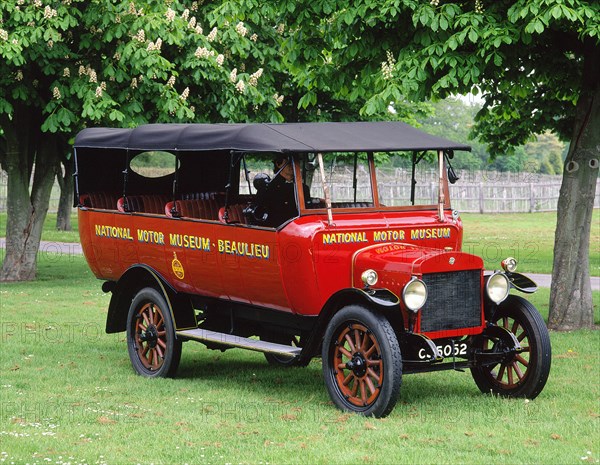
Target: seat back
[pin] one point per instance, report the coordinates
(103, 200)
(151, 203)
(235, 214)
(207, 209)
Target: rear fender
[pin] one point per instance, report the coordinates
(133, 280)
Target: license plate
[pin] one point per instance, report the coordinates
(449, 348)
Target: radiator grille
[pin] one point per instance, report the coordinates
(453, 301)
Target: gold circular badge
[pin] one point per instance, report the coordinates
(177, 267)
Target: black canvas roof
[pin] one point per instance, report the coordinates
(263, 137)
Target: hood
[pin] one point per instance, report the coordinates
(395, 263)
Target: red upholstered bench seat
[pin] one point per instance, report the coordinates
(103, 200)
(143, 203)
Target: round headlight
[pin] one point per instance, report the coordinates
(497, 287)
(414, 295)
(369, 277)
(509, 264)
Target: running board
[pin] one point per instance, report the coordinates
(230, 340)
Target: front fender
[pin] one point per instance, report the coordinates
(522, 283)
(383, 300)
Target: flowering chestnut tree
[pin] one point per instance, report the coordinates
(536, 64)
(72, 63)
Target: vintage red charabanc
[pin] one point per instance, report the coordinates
(321, 258)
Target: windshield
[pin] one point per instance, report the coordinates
(347, 176)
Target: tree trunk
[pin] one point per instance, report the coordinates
(571, 305)
(25, 212)
(65, 203)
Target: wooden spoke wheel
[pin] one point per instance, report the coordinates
(362, 364)
(153, 349)
(524, 374)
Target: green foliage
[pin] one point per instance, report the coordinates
(85, 63)
(525, 57)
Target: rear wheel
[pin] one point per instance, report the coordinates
(153, 349)
(362, 363)
(525, 374)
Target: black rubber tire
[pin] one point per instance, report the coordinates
(375, 343)
(524, 321)
(158, 356)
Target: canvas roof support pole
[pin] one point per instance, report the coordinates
(416, 158)
(441, 197)
(76, 201)
(247, 174)
(354, 180)
(325, 189)
(373, 177)
(174, 212)
(233, 161)
(126, 176)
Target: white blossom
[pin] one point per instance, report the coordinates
(171, 81)
(192, 23)
(185, 94)
(280, 28)
(98, 92)
(170, 15)
(93, 76)
(212, 35)
(37, 3)
(220, 59)
(241, 29)
(3, 34)
(49, 12)
(254, 37)
(134, 83)
(203, 52)
(82, 70)
(278, 98)
(67, 72)
(233, 75)
(185, 15)
(140, 36)
(387, 67)
(240, 86)
(19, 76)
(56, 93)
(155, 46)
(50, 43)
(254, 77)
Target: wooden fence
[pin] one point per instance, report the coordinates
(478, 192)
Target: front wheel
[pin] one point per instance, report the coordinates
(153, 349)
(525, 374)
(362, 363)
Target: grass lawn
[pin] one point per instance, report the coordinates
(69, 395)
(529, 237)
